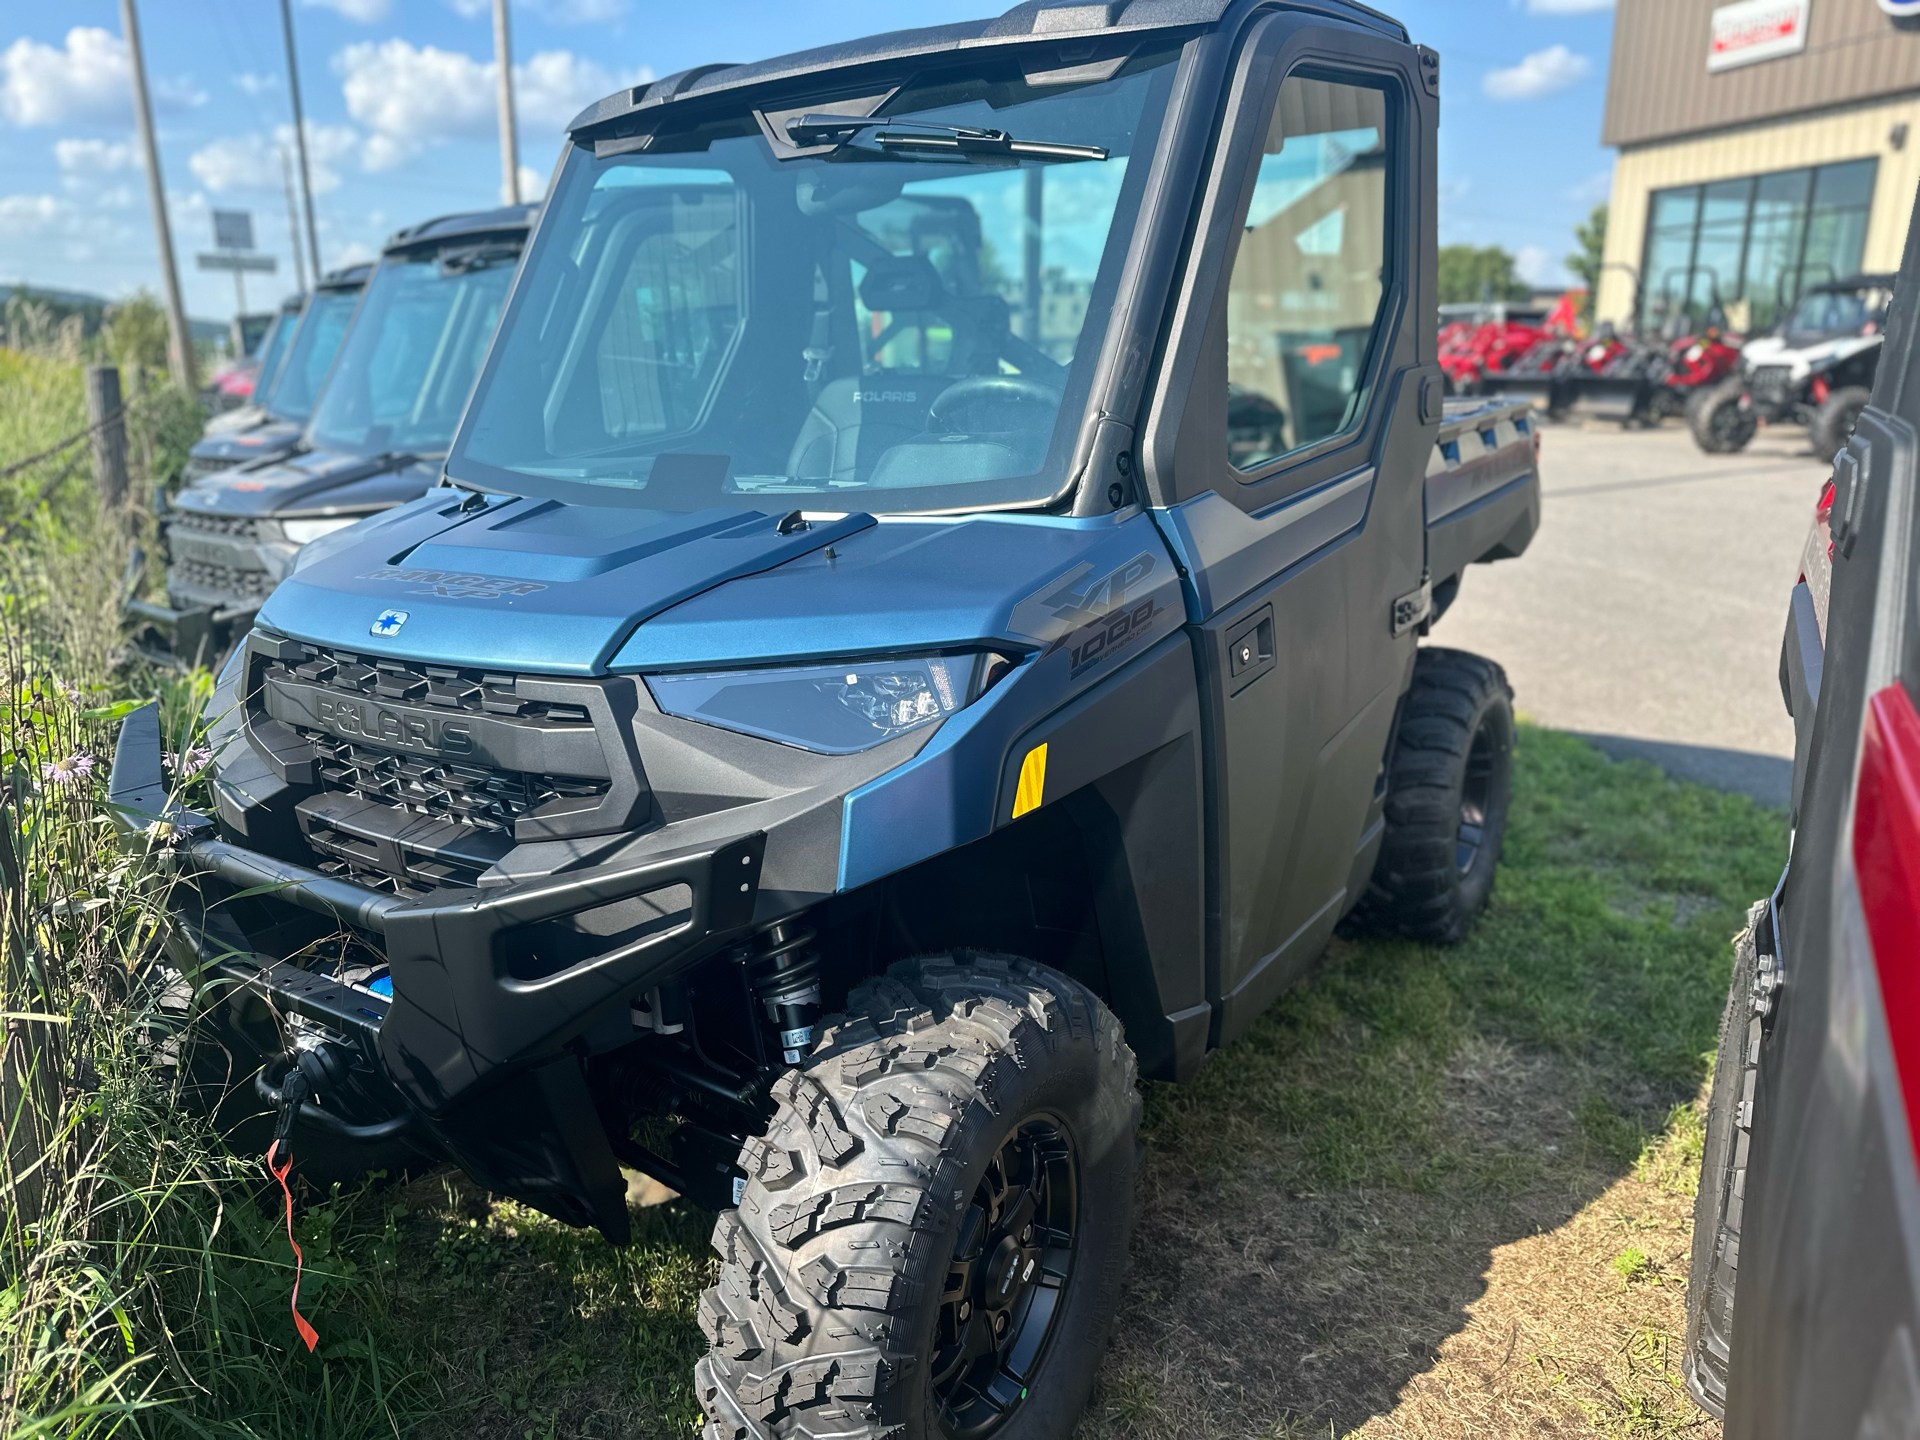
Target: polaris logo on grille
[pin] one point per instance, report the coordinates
(389, 623)
(404, 730)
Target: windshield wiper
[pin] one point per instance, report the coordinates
(964, 142)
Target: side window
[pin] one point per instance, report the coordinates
(1304, 296)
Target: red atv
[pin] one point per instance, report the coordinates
(1479, 344)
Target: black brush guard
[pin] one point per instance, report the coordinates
(461, 1024)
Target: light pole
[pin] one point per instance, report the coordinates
(300, 136)
(509, 141)
(293, 222)
(179, 338)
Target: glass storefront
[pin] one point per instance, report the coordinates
(1748, 247)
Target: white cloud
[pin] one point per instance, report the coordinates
(1541, 73)
(1567, 7)
(22, 215)
(533, 186)
(367, 12)
(252, 162)
(96, 157)
(578, 12)
(470, 9)
(351, 253)
(410, 97)
(1532, 264)
(254, 84)
(556, 85)
(87, 79)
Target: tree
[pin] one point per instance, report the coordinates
(1591, 236)
(136, 332)
(1469, 275)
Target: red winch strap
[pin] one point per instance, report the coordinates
(280, 1172)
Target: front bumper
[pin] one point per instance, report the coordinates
(474, 1007)
(190, 634)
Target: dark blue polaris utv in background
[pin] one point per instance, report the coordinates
(1804, 1304)
(867, 693)
(269, 429)
(379, 425)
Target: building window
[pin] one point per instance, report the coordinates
(1748, 247)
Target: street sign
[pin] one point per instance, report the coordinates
(233, 229)
(218, 260)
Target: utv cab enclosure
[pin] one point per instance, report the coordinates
(922, 629)
(269, 429)
(376, 426)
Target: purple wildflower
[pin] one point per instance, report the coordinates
(191, 763)
(67, 771)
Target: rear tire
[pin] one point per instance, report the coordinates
(1449, 789)
(883, 1273)
(1718, 1204)
(1720, 426)
(1833, 422)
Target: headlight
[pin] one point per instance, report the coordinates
(303, 532)
(834, 709)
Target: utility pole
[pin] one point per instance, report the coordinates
(300, 136)
(179, 338)
(509, 141)
(293, 221)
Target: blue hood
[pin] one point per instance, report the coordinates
(318, 482)
(567, 589)
(256, 442)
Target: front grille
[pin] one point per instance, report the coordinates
(408, 822)
(233, 582)
(475, 795)
(1772, 383)
(233, 527)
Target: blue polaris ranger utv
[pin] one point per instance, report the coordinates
(289, 381)
(922, 629)
(377, 426)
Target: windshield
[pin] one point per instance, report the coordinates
(1840, 312)
(861, 324)
(408, 367)
(309, 358)
(274, 349)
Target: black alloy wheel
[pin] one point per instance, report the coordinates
(1449, 786)
(1477, 796)
(1011, 1265)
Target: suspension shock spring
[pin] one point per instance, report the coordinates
(785, 973)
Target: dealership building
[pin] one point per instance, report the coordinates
(1764, 146)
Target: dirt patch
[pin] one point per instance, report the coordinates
(1530, 1294)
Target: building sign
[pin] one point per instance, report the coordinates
(1756, 30)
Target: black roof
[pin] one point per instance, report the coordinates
(347, 277)
(505, 220)
(1032, 21)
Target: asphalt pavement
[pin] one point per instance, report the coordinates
(1649, 610)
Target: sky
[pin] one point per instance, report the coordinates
(401, 122)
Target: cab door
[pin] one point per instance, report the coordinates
(1285, 451)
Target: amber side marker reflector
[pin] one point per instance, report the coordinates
(1033, 781)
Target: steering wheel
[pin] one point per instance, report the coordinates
(981, 392)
